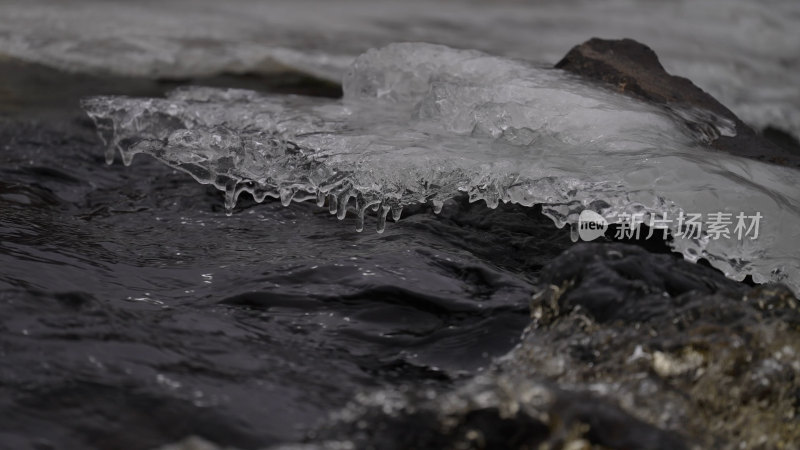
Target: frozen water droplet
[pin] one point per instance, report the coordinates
(343, 201)
(573, 233)
(127, 157)
(259, 195)
(230, 197)
(360, 220)
(111, 154)
(332, 203)
(286, 196)
(397, 211)
(382, 218)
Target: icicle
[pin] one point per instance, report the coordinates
(492, 201)
(127, 157)
(230, 196)
(332, 203)
(437, 206)
(360, 219)
(259, 195)
(573, 232)
(397, 211)
(320, 198)
(382, 218)
(286, 196)
(342, 210)
(111, 154)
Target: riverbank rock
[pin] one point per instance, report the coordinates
(676, 344)
(633, 68)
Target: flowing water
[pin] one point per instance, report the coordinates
(135, 311)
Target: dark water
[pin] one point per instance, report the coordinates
(133, 312)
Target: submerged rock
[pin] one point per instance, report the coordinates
(634, 69)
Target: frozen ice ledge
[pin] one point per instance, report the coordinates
(424, 123)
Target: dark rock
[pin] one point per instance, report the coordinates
(633, 69)
(678, 345)
(627, 283)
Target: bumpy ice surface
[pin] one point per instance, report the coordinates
(422, 123)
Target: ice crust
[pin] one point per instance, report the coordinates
(742, 52)
(423, 123)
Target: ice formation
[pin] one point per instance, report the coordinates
(744, 53)
(423, 123)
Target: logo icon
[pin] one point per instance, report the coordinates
(591, 225)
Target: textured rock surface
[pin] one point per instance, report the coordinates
(634, 69)
(676, 344)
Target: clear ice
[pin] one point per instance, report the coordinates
(424, 122)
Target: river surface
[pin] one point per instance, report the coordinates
(135, 312)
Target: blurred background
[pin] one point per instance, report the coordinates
(745, 53)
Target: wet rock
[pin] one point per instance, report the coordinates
(676, 344)
(634, 69)
(491, 411)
